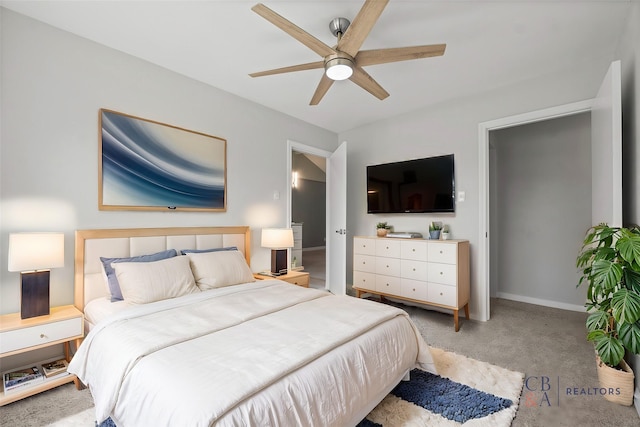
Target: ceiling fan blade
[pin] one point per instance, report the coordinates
(321, 90)
(300, 67)
(383, 56)
(366, 82)
(361, 26)
(293, 30)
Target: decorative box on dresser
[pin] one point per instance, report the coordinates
(17, 336)
(429, 272)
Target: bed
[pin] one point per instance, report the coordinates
(197, 341)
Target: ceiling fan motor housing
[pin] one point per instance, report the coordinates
(338, 26)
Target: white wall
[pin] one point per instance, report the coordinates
(629, 53)
(452, 128)
(54, 83)
(543, 201)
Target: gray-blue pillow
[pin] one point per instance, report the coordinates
(198, 251)
(112, 280)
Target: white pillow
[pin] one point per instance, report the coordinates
(218, 269)
(145, 282)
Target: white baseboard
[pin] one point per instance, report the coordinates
(543, 302)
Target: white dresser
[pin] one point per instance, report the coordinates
(430, 272)
(296, 251)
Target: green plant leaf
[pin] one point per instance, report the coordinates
(609, 349)
(597, 321)
(606, 273)
(596, 335)
(629, 334)
(626, 306)
(629, 247)
(632, 280)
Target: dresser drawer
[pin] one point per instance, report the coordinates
(414, 249)
(364, 246)
(442, 273)
(413, 269)
(364, 280)
(388, 284)
(442, 294)
(297, 232)
(364, 263)
(414, 289)
(388, 266)
(40, 334)
(446, 253)
(388, 248)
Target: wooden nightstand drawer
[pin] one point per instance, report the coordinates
(300, 279)
(40, 334)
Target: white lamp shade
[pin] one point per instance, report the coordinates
(277, 238)
(35, 251)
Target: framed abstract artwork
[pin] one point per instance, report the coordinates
(147, 165)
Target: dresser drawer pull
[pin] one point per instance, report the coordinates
(441, 273)
(440, 251)
(413, 250)
(43, 336)
(414, 269)
(414, 289)
(440, 293)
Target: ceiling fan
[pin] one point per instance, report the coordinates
(345, 60)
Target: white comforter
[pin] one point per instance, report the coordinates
(263, 353)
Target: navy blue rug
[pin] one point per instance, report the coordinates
(449, 399)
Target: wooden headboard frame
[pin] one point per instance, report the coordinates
(125, 242)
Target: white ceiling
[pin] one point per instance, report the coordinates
(489, 44)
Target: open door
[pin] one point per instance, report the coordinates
(606, 150)
(336, 213)
(337, 221)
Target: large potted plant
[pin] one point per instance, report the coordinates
(610, 265)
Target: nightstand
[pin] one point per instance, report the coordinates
(63, 325)
(300, 278)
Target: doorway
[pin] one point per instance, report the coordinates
(336, 211)
(540, 209)
(308, 215)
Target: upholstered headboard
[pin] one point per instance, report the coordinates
(93, 244)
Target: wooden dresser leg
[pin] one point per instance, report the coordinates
(466, 311)
(358, 293)
(455, 319)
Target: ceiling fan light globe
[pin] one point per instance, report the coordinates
(338, 69)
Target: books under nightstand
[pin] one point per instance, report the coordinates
(55, 368)
(21, 378)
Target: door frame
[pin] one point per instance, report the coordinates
(484, 129)
(303, 148)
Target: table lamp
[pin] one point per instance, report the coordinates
(278, 240)
(33, 254)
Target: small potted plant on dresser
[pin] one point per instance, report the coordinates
(445, 232)
(434, 230)
(382, 228)
(609, 262)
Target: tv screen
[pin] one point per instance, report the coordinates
(421, 185)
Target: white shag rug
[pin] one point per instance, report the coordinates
(393, 411)
(501, 382)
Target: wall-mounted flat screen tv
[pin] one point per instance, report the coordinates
(420, 185)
